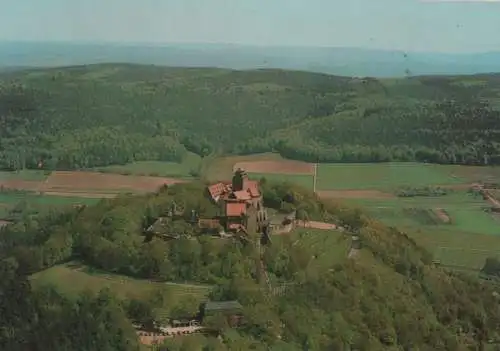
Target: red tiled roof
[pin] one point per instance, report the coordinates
(253, 188)
(217, 189)
(235, 209)
(242, 195)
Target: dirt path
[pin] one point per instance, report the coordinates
(315, 225)
(491, 199)
(353, 253)
(442, 215)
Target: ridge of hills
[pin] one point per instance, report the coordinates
(346, 61)
(97, 115)
(389, 297)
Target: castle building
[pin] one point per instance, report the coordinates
(240, 203)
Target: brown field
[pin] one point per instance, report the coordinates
(279, 167)
(90, 184)
(221, 168)
(88, 195)
(29, 185)
(355, 194)
(72, 181)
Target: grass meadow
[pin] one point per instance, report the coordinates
(183, 170)
(72, 279)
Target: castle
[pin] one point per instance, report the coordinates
(240, 203)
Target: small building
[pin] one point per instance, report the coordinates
(232, 310)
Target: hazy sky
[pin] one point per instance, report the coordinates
(389, 24)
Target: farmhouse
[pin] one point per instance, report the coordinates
(240, 203)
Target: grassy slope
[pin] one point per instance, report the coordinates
(71, 279)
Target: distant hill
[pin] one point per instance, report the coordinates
(96, 115)
(338, 61)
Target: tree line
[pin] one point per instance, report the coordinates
(60, 118)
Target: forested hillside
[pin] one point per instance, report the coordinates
(389, 297)
(97, 115)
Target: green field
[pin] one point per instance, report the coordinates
(467, 211)
(72, 278)
(385, 176)
(9, 200)
(369, 176)
(303, 180)
(184, 169)
(471, 237)
(30, 175)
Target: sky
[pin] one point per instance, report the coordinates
(410, 25)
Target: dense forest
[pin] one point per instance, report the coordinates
(96, 115)
(390, 297)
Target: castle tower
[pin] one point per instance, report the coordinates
(240, 180)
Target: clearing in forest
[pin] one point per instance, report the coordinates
(327, 246)
(72, 279)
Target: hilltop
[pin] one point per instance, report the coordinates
(97, 115)
(370, 301)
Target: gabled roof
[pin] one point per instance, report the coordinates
(235, 209)
(216, 190)
(242, 195)
(253, 188)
